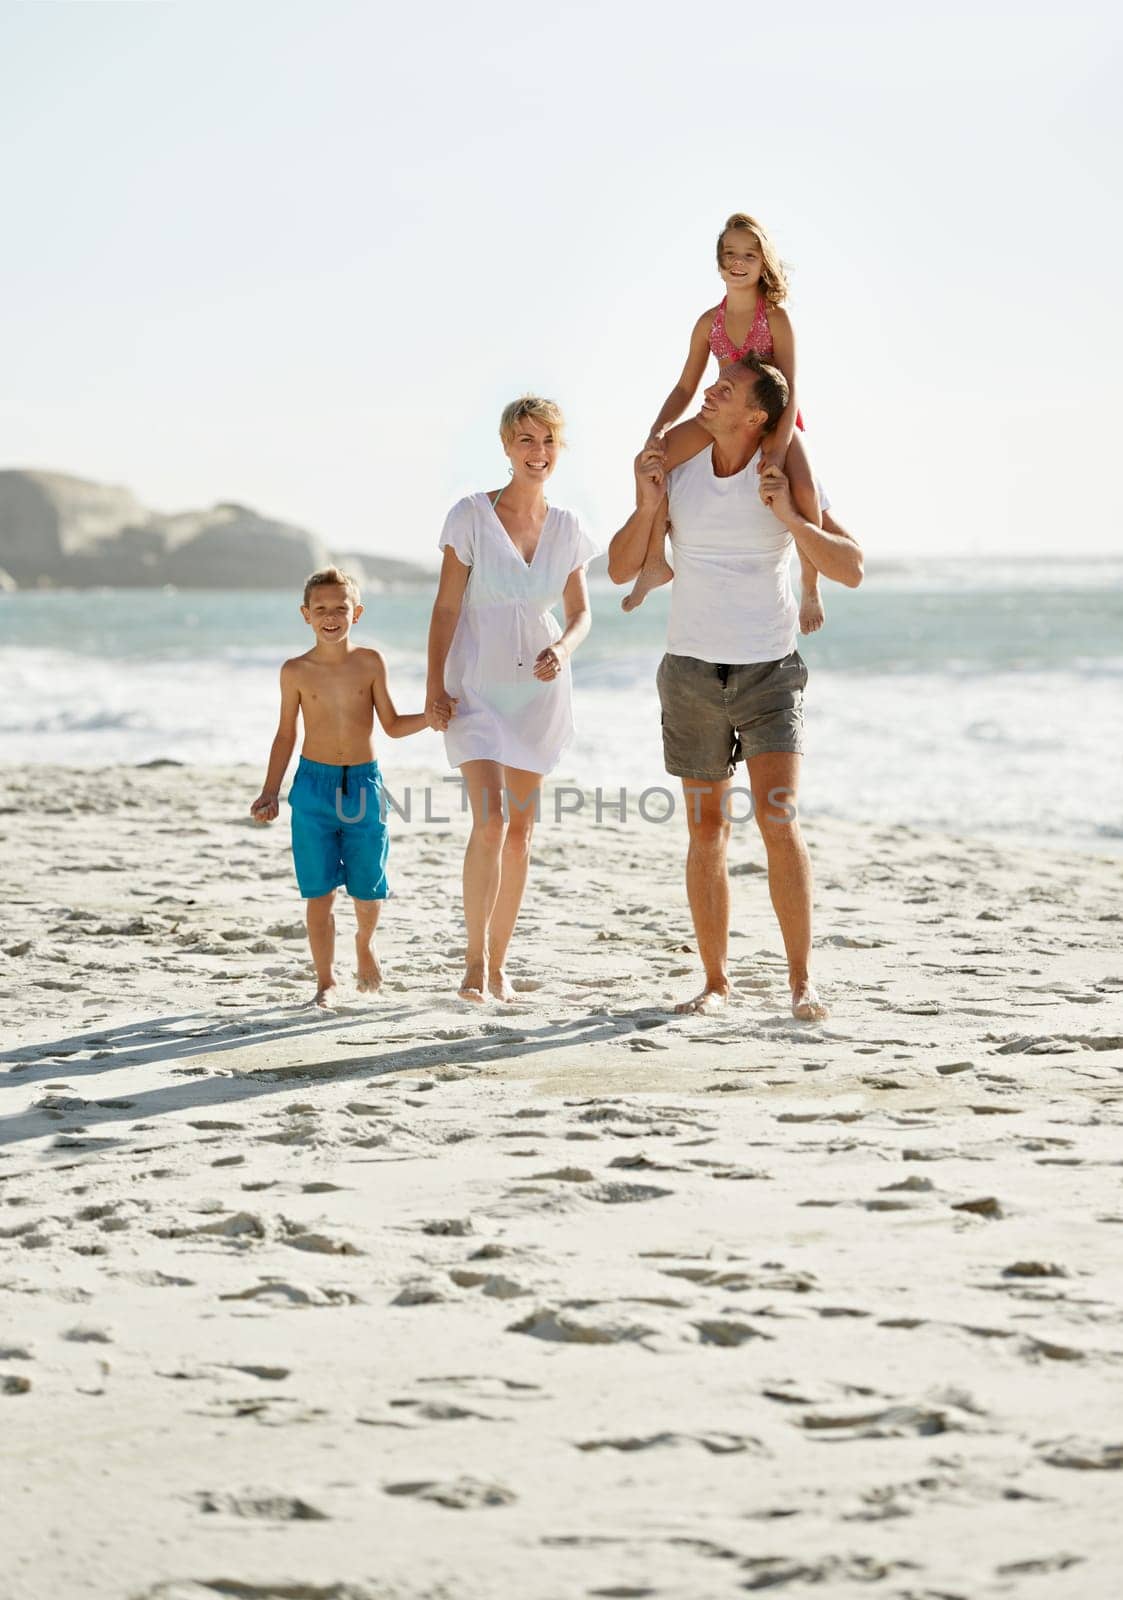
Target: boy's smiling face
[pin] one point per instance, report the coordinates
(330, 612)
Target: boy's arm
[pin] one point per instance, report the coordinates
(267, 805)
(395, 723)
(684, 390)
(783, 356)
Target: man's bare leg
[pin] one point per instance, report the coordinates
(522, 806)
(707, 888)
(484, 780)
(321, 940)
(774, 780)
(368, 966)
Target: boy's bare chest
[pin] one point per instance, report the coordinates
(340, 689)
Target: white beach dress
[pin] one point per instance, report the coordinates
(504, 713)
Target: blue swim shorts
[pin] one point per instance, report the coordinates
(338, 834)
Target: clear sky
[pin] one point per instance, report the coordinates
(298, 253)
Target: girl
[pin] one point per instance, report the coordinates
(751, 317)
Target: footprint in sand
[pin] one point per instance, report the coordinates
(459, 1494)
(562, 1328)
(264, 1507)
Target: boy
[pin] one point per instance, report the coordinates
(338, 833)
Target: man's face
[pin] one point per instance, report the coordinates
(330, 612)
(728, 405)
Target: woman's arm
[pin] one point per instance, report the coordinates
(684, 390)
(783, 356)
(446, 614)
(575, 602)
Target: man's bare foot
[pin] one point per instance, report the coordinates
(326, 996)
(806, 1005)
(473, 986)
(501, 987)
(369, 979)
(705, 1004)
(811, 613)
(649, 578)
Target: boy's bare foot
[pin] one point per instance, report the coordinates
(501, 987)
(649, 578)
(472, 988)
(369, 973)
(811, 613)
(326, 996)
(711, 999)
(806, 1005)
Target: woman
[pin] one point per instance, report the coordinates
(499, 681)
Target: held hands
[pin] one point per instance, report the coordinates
(775, 491)
(265, 808)
(439, 711)
(548, 663)
(651, 473)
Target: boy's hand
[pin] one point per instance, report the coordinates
(265, 808)
(439, 712)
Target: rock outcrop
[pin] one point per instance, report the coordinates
(58, 531)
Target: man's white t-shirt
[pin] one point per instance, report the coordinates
(732, 599)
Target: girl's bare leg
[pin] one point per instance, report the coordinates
(484, 780)
(805, 493)
(523, 798)
(656, 569)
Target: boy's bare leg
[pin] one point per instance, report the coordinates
(522, 805)
(484, 780)
(321, 940)
(707, 888)
(805, 494)
(776, 772)
(369, 971)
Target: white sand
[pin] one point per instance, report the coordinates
(571, 1299)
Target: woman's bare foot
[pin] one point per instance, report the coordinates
(806, 1005)
(369, 971)
(811, 613)
(652, 577)
(501, 987)
(327, 995)
(474, 985)
(711, 999)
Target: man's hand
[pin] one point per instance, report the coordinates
(266, 807)
(439, 712)
(776, 493)
(650, 474)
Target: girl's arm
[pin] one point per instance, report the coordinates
(267, 806)
(684, 390)
(575, 600)
(396, 723)
(446, 614)
(783, 356)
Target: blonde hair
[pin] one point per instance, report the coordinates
(531, 405)
(326, 575)
(773, 272)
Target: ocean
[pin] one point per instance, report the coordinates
(974, 698)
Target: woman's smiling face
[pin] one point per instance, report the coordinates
(533, 452)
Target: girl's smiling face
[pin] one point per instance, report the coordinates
(741, 259)
(533, 452)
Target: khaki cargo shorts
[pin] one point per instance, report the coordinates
(716, 715)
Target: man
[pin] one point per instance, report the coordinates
(731, 683)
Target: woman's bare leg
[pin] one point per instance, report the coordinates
(484, 780)
(523, 799)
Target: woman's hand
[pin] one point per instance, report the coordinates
(548, 663)
(439, 711)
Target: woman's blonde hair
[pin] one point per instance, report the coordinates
(531, 405)
(773, 273)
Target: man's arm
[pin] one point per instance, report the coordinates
(267, 804)
(836, 553)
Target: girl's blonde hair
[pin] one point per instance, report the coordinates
(773, 273)
(531, 405)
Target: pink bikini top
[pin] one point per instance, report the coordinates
(760, 340)
(760, 337)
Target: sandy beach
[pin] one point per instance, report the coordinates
(571, 1298)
